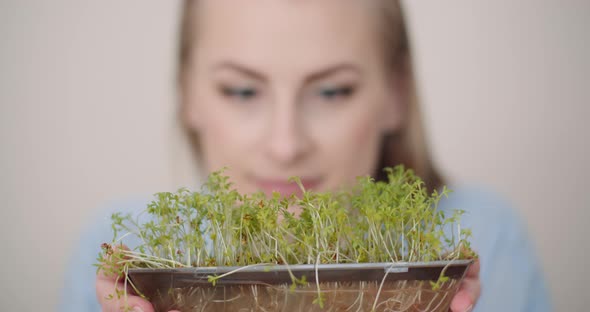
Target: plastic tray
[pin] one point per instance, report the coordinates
(342, 287)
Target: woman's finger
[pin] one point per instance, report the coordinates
(473, 270)
(106, 293)
(466, 297)
(469, 291)
(108, 286)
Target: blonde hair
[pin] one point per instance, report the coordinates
(407, 146)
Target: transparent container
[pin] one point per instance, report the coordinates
(341, 287)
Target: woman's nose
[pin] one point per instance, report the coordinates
(287, 143)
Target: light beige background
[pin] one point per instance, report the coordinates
(87, 102)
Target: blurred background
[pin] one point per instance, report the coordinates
(87, 104)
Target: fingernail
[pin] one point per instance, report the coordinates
(469, 308)
(137, 309)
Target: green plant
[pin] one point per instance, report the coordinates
(375, 221)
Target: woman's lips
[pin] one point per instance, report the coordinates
(284, 187)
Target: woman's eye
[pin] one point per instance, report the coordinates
(243, 94)
(336, 93)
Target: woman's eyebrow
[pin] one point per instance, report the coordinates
(332, 69)
(320, 74)
(241, 69)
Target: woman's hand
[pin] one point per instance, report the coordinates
(469, 290)
(106, 295)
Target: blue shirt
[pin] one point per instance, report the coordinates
(510, 273)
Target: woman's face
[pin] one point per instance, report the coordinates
(290, 88)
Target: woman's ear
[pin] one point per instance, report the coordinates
(189, 114)
(395, 104)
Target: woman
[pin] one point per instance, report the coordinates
(322, 90)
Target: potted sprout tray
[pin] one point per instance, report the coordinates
(379, 246)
